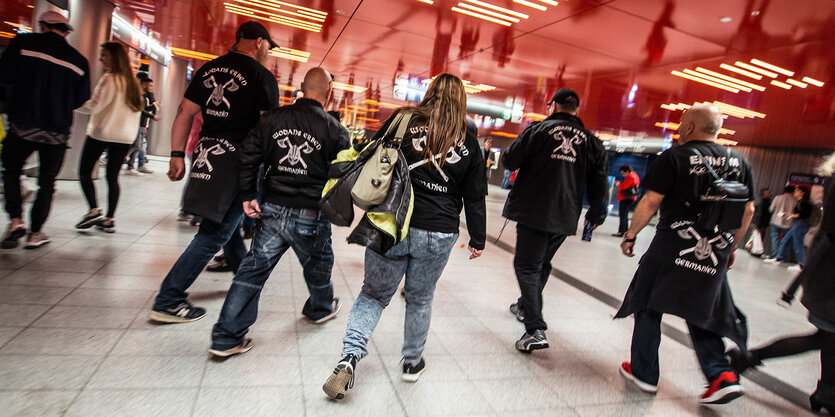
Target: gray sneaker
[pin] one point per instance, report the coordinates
(531, 342)
(516, 311)
(244, 347)
(342, 378)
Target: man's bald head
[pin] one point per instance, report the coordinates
(317, 85)
(700, 122)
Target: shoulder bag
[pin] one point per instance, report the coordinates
(374, 180)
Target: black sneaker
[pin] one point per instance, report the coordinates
(12, 236)
(531, 342)
(342, 378)
(107, 226)
(89, 220)
(244, 347)
(518, 312)
(411, 373)
(785, 300)
(183, 313)
(337, 305)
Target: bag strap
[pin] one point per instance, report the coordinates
(707, 164)
(402, 123)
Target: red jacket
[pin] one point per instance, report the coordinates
(630, 180)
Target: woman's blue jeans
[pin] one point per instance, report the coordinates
(794, 237)
(421, 257)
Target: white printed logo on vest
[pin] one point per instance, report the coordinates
(202, 152)
(219, 91)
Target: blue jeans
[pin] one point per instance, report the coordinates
(794, 237)
(776, 231)
(308, 232)
(137, 150)
(209, 239)
(646, 337)
(421, 256)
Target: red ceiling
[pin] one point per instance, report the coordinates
(600, 48)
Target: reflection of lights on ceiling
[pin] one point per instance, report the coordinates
(186, 53)
(269, 10)
(7, 35)
(381, 104)
(726, 142)
(756, 69)
(726, 19)
(531, 4)
(741, 71)
(368, 119)
(499, 9)
(796, 83)
(717, 80)
(488, 12)
(731, 79)
(20, 28)
(813, 81)
(504, 134)
(781, 84)
(725, 108)
(427, 1)
(348, 87)
(480, 16)
(291, 54)
(675, 126)
(772, 67)
(469, 87)
(536, 117)
(704, 81)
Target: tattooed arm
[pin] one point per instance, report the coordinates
(179, 136)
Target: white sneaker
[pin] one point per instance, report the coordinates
(774, 261)
(795, 268)
(131, 171)
(143, 169)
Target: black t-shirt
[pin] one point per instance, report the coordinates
(681, 176)
(231, 91)
(803, 209)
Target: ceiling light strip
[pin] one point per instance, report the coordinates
(274, 20)
(348, 87)
(500, 9)
(289, 57)
(703, 81)
(7, 34)
(813, 81)
(532, 5)
(739, 109)
(262, 3)
(273, 15)
(796, 83)
(756, 69)
(480, 16)
(772, 67)
(549, 2)
(725, 142)
(427, 1)
(731, 79)
(717, 80)
(781, 84)
(488, 12)
(741, 71)
(281, 3)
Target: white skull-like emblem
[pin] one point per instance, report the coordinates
(703, 248)
(219, 91)
(203, 152)
(294, 152)
(566, 145)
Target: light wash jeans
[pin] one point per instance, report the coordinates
(422, 257)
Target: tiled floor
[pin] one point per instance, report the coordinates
(74, 338)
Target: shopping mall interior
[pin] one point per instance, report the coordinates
(75, 334)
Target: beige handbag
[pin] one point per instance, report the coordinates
(374, 180)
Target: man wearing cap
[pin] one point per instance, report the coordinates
(557, 160)
(231, 92)
(47, 79)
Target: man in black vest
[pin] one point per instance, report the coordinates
(684, 270)
(231, 91)
(557, 160)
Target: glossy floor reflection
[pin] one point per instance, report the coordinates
(74, 338)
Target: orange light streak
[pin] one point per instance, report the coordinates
(781, 84)
(348, 87)
(550, 2)
(499, 9)
(480, 16)
(203, 56)
(532, 5)
(703, 81)
(741, 71)
(268, 6)
(382, 104)
(772, 67)
(536, 117)
(756, 69)
(488, 12)
(427, 1)
(299, 8)
(813, 81)
(272, 17)
(503, 134)
(731, 79)
(726, 142)
(796, 83)
(7, 34)
(675, 126)
(717, 80)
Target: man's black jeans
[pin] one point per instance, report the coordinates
(534, 251)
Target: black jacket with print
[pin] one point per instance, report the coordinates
(557, 160)
(296, 144)
(442, 191)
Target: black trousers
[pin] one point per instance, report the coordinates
(51, 157)
(116, 152)
(624, 207)
(532, 262)
(788, 346)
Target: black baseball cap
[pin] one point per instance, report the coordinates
(254, 30)
(561, 95)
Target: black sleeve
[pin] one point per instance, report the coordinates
(194, 92)
(82, 89)
(253, 150)
(661, 175)
(803, 210)
(342, 141)
(597, 183)
(473, 191)
(9, 62)
(269, 100)
(517, 153)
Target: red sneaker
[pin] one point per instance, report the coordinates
(722, 390)
(626, 372)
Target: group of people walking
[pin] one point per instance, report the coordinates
(296, 151)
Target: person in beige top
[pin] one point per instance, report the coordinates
(783, 203)
(115, 109)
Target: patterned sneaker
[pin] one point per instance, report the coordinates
(337, 305)
(36, 240)
(89, 220)
(530, 342)
(722, 390)
(183, 313)
(12, 236)
(516, 311)
(342, 378)
(626, 372)
(107, 226)
(244, 347)
(411, 373)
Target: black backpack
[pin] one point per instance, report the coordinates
(723, 200)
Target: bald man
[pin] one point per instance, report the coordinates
(684, 270)
(296, 144)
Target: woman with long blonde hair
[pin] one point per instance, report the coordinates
(447, 174)
(114, 110)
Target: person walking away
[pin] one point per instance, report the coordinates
(684, 271)
(818, 298)
(140, 146)
(447, 174)
(800, 226)
(780, 224)
(46, 79)
(762, 218)
(231, 91)
(114, 110)
(297, 170)
(557, 160)
(627, 195)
